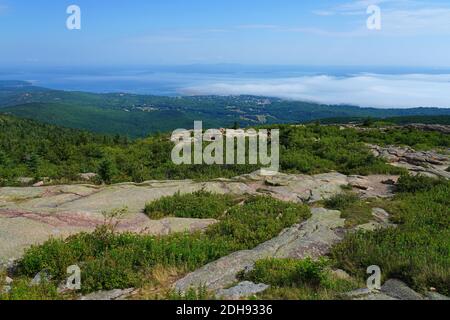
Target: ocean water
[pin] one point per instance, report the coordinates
(172, 80)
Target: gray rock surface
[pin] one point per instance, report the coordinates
(242, 290)
(116, 294)
(417, 162)
(312, 238)
(381, 221)
(39, 278)
(31, 215)
(398, 289)
(436, 296)
(381, 215)
(340, 274)
(87, 176)
(5, 285)
(392, 290)
(376, 296)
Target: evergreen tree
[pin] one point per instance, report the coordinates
(106, 170)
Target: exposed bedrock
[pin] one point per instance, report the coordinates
(428, 163)
(312, 238)
(32, 215)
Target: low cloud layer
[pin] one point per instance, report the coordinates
(365, 90)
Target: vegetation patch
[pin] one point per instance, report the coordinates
(287, 272)
(111, 260)
(22, 290)
(356, 211)
(31, 149)
(200, 205)
(417, 251)
(412, 184)
(291, 279)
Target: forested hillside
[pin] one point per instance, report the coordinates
(138, 115)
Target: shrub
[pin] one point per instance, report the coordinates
(412, 184)
(288, 272)
(341, 201)
(260, 219)
(417, 251)
(190, 295)
(200, 204)
(292, 279)
(21, 290)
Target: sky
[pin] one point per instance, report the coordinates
(413, 33)
(140, 35)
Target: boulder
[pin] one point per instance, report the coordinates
(39, 184)
(398, 289)
(370, 226)
(381, 215)
(359, 182)
(87, 176)
(340, 274)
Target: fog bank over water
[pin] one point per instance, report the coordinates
(363, 86)
(365, 90)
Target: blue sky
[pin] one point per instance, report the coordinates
(284, 32)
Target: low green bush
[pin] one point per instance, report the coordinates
(292, 279)
(341, 201)
(260, 219)
(417, 251)
(22, 290)
(411, 184)
(288, 272)
(355, 210)
(191, 295)
(111, 260)
(200, 204)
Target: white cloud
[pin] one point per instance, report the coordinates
(366, 90)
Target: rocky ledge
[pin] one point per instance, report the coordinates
(417, 162)
(31, 215)
(313, 238)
